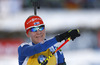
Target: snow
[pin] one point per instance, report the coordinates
(54, 19)
(83, 57)
(57, 20)
(8, 60)
(75, 57)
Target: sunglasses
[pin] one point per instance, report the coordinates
(35, 28)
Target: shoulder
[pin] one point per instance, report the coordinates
(22, 46)
(25, 43)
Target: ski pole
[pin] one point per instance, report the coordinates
(55, 51)
(36, 5)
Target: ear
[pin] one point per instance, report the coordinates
(27, 33)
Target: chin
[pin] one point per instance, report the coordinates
(40, 41)
(36, 41)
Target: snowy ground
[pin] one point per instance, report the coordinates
(83, 57)
(58, 18)
(77, 57)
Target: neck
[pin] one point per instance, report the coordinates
(38, 42)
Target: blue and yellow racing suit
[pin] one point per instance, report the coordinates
(33, 54)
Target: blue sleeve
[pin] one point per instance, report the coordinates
(27, 50)
(60, 57)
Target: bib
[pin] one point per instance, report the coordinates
(38, 58)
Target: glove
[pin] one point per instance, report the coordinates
(71, 33)
(74, 33)
(62, 36)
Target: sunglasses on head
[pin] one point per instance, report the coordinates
(35, 28)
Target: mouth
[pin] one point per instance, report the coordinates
(40, 36)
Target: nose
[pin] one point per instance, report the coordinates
(38, 31)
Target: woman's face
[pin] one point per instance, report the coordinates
(37, 37)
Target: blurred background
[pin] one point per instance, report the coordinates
(58, 16)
